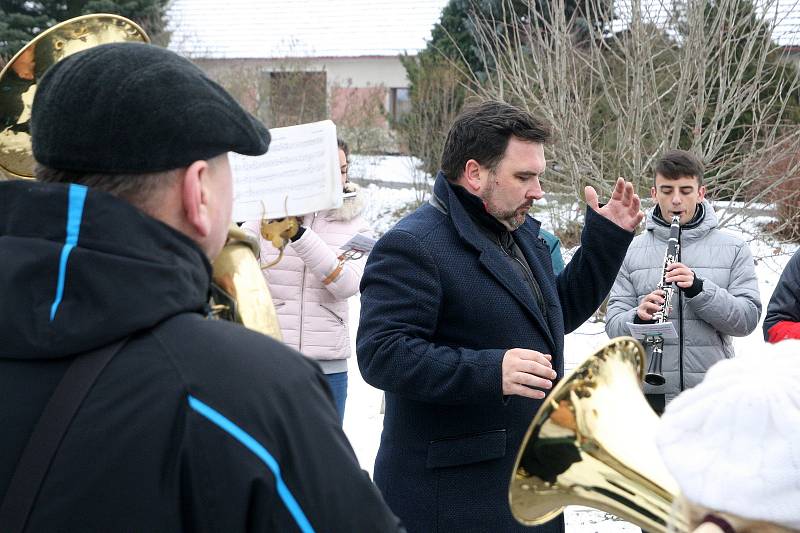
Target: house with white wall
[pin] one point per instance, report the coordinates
(291, 61)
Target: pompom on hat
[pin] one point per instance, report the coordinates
(732, 443)
(130, 108)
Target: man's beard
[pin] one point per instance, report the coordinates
(511, 219)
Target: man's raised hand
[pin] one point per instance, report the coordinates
(624, 207)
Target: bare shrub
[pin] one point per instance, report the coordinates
(779, 184)
(437, 96)
(698, 75)
(360, 118)
(241, 78)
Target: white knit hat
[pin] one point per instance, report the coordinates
(733, 442)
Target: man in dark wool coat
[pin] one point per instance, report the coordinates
(463, 322)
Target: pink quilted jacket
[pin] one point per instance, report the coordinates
(313, 316)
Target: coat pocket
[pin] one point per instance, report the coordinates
(455, 451)
(336, 317)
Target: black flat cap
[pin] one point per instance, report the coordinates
(136, 108)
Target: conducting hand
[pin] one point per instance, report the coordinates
(523, 369)
(623, 209)
(680, 274)
(650, 304)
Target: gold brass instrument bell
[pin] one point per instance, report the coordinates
(279, 232)
(240, 292)
(592, 443)
(20, 76)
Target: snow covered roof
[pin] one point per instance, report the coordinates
(300, 28)
(783, 15)
(357, 28)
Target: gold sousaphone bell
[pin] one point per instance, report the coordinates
(20, 76)
(592, 443)
(240, 292)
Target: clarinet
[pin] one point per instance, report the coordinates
(654, 375)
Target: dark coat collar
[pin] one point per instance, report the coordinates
(526, 237)
(444, 197)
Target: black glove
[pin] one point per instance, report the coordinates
(300, 231)
(695, 288)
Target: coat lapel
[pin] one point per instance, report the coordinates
(499, 268)
(492, 258)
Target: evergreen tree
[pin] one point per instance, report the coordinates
(750, 62)
(22, 20)
(456, 36)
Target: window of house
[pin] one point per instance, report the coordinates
(399, 102)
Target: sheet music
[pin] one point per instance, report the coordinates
(298, 175)
(640, 331)
(360, 243)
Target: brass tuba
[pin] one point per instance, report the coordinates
(592, 443)
(19, 78)
(240, 291)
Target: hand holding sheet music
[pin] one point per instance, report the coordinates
(360, 243)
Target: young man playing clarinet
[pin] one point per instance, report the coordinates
(717, 295)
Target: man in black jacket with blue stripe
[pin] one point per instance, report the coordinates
(463, 321)
(195, 424)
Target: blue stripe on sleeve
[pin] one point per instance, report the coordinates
(77, 196)
(254, 446)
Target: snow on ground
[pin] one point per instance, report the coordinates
(382, 204)
(363, 419)
(386, 169)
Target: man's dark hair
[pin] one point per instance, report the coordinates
(344, 148)
(676, 164)
(481, 132)
(137, 189)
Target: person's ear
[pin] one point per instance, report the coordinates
(472, 176)
(195, 197)
(653, 194)
(701, 192)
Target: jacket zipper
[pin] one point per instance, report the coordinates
(337, 317)
(680, 344)
(680, 330)
(302, 293)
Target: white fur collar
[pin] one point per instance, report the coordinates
(351, 207)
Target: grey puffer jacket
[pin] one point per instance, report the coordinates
(728, 306)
